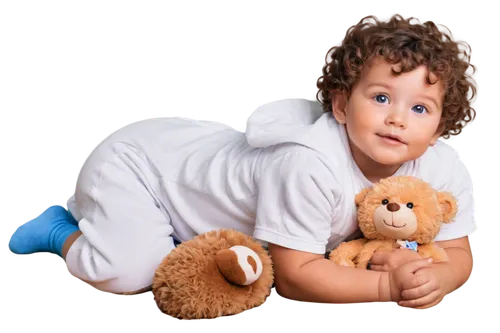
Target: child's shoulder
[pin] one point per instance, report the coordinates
(439, 165)
(441, 152)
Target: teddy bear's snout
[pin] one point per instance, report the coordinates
(393, 207)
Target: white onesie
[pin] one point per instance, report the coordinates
(289, 179)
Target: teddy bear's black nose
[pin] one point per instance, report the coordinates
(393, 207)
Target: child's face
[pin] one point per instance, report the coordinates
(383, 104)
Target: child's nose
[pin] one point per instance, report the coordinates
(397, 117)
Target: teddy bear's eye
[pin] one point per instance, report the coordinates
(409, 205)
(385, 202)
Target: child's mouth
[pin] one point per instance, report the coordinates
(390, 139)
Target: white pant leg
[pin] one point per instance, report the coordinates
(71, 204)
(124, 233)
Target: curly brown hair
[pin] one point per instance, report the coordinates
(411, 45)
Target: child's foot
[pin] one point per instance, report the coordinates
(46, 233)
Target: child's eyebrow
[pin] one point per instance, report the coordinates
(382, 84)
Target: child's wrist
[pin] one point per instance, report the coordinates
(384, 287)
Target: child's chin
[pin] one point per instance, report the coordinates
(389, 159)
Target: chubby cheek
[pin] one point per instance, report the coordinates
(416, 150)
(358, 135)
(361, 124)
(420, 142)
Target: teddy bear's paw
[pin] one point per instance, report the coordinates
(239, 265)
(440, 255)
(346, 263)
(342, 261)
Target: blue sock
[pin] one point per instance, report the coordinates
(46, 233)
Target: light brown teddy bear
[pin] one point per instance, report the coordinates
(399, 211)
(219, 273)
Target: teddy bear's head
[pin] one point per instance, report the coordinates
(403, 207)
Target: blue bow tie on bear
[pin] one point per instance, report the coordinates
(410, 245)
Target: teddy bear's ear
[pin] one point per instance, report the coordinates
(448, 206)
(361, 196)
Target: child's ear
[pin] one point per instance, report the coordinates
(339, 106)
(448, 206)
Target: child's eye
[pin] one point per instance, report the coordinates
(419, 109)
(381, 98)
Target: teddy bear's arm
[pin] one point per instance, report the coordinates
(370, 248)
(434, 251)
(346, 252)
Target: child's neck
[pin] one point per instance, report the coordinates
(374, 174)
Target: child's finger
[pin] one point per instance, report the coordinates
(380, 268)
(415, 265)
(378, 258)
(418, 292)
(415, 281)
(429, 305)
(421, 303)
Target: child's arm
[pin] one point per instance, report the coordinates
(310, 277)
(296, 204)
(457, 271)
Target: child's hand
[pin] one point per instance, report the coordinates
(390, 260)
(403, 278)
(423, 291)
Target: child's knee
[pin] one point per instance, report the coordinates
(117, 279)
(135, 278)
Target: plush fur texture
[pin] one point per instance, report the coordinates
(400, 202)
(189, 285)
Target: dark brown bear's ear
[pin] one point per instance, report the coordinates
(448, 206)
(361, 196)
